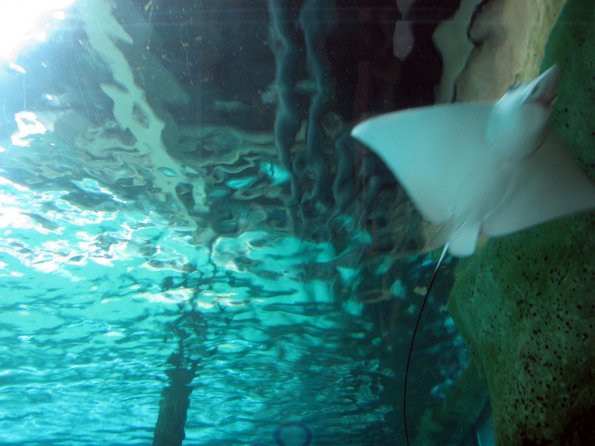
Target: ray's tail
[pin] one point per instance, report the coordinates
(423, 304)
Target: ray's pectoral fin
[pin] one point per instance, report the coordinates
(548, 185)
(430, 150)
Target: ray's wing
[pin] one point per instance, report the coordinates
(548, 185)
(431, 151)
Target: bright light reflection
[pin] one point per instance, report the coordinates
(28, 124)
(170, 297)
(25, 20)
(11, 217)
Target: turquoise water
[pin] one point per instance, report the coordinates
(166, 212)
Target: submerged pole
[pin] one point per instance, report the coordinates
(175, 400)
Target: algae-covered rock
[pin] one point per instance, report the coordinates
(572, 45)
(525, 303)
(524, 307)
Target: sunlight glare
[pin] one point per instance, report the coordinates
(25, 20)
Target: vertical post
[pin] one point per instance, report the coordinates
(175, 400)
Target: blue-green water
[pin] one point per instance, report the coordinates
(155, 218)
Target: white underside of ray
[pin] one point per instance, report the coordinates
(549, 184)
(428, 150)
(441, 157)
(435, 152)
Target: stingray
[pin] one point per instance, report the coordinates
(480, 169)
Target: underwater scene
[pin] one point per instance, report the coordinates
(297, 222)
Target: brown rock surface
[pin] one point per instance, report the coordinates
(509, 37)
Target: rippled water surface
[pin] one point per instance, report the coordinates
(166, 213)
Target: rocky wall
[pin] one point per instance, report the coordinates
(524, 303)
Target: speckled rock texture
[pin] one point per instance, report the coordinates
(525, 303)
(524, 306)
